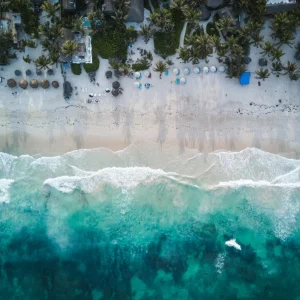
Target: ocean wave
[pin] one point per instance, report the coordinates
(4, 190)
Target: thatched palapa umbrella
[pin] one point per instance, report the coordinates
(108, 74)
(11, 83)
(263, 62)
(55, 84)
(28, 72)
(116, 85)
(34, 83)
(18, 73)
(23, 84)
(39, 72)
(50, 72)
(115, 93)
(44, 84)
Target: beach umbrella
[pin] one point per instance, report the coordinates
(115, 93)
(116, 85)
(137, 75)
(222, 69)
(28, 72)
(108, 74)
(23, 84)
(44, 84)
(196, 70)
(213, 69)
(34, 83)
(146, 73)
(176, 71)
(39, 72)
(50, 72)
(107, 90)
(186, 71)
(18, 73)
(11, 83)
(205, 70)
(147, 85)
(263, 62)
(137, 84)
(55, 84)
(247, 60)
(183, 80)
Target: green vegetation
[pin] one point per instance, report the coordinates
(29, 43)
(93, 67)
(27, 59)
(263, 74)
(42, 62)
(147, 5)
(141, 64)
(69, 47)
(211, 29)
(160, 67)
(6, 42)
(76, 69)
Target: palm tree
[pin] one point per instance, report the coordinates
(198, 3)
(179, 4)
(42, 62)
(225, 24)
(268, 49)
(54, 54)
(162, 19)
(277, 67)
(291, 69)
(50, 8)
(78, 25)
(201, 46)
(146, 32)
(160, 67)
(263, 74)
(69, 48)
(192, 16)
(184, 54)
(277, 54)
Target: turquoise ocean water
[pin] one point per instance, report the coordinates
(145, 224)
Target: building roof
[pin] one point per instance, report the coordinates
(245, 78)
(69, 4)
(271, 2)
(136, 11)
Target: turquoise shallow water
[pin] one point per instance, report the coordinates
(93, 224)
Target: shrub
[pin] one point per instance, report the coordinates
(76, 69)
(211, 29)
(29, 43)
(142, 64)
(94, 66)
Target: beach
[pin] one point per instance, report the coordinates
(210, 112)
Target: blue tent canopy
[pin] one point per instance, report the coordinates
(245, 78)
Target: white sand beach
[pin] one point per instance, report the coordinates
(210, 112)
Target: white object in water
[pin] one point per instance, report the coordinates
(213, 69)
(186, 71)
(233, 243)
(176, 71)
(222, 69)
(205, 70)
(183, 80)
(196, 70)
(137, 84)
(137, 74)
(146, 73)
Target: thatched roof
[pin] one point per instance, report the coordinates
(18, 73)
(34, 83)
(67, 89)
(108, 74)
(23, 83)
(44, 84)
(55, 84)
(263, 62)
(50, 72)
(11, 83)
(28, 72)
(116, 85)
(115, 93)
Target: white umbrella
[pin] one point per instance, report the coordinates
(197, 70)
(137, 74)
(146, 73)
(137, 84)
(205, 70)
(183, 80)
(222, 69)
(176, 71)
(213, 69)
(186, 71)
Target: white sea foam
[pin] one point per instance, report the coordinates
(4, 190)
(220, 262)
(234, 244)
(261, 183)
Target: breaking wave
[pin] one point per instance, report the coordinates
(149, 223)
